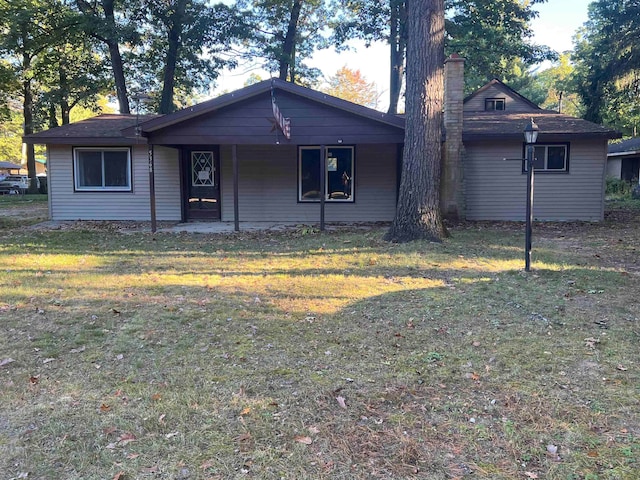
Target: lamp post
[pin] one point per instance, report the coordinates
(530, 137)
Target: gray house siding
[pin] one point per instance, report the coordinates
(496, 189)
(512, 104)
(67, 204)
(268, 181)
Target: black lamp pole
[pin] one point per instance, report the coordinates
(530, 137)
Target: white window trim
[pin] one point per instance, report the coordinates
(76, 169)
(351, 199)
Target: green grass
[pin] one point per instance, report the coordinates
(221, 357)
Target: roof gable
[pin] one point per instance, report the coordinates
(495, 89)
(268, 86)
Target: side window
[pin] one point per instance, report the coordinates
(105, 169)
(549, 158)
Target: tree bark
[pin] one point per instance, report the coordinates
(169, 74)
(418, 212)
(116, 57)
(27, 111)
(397, 44)
(288, 46)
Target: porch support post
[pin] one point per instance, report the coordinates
(236, 215)
(152, 190)
(323, 183)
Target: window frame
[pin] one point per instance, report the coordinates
(76, 169)
(495, 101)
(546, 146)
(351, 198)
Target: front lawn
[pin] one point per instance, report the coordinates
(296, 354)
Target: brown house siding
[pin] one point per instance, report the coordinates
(251, 122)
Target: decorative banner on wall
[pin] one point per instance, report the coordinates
(283, 123)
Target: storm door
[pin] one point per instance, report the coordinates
(203, 185)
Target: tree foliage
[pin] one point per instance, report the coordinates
(353, 86)
(492, 35)
(283, 34)
(608, 63)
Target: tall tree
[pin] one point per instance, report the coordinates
(28, 27)
(182, 47)
(607, 58)
(105, 20)
(353, 86)
(418, 211)
(493, 36)
(283, 34)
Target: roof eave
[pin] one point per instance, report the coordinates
(82, 141)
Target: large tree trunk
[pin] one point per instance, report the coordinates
(288, 46)
(418, 212)
(397, 44)
(116, 58)
(174, 38)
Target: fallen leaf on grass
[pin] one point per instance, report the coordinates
(303, 439)
(245, 411)
(6, 361)
(78, 350)
(126, 438)
(172, 434)
(530, 475)
(119, 475)
(48, 360)
(156, 397)
(34, 379)
(105, 408)
(591, 342)
(621, 367)
(592, 454)
(314, 430)
(340, 401)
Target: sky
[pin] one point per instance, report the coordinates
(555, 26)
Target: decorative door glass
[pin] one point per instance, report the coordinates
(202, 169)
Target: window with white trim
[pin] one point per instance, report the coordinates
(338, 174)
(102, 169)
(549, 158)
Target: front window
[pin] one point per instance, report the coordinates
(106, 169)
(549, 158)
(338, 174)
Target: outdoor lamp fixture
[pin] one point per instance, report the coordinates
(530, 138)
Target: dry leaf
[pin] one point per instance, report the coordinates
(172, 434)
(621, 367)
(156, 397)
(78, 350)
(133, 456)
(592, 454)
(34, 379)
(126, 438)
(303, 439)
(340, 401)
(161, 418)
(119, 475)
(531, 475)
(314, 430)
(48, 360)
(245, 411)
(105, 408)
(6, 361)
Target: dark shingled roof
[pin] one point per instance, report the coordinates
(491, 125)
(9, 166)
(625, 147)
(105, 129)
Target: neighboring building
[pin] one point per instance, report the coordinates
(623, 160)
(8, 168)
(229, 159)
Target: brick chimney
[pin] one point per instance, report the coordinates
(451, 182)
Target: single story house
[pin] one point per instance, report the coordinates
(275, 151)
(623, 160)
